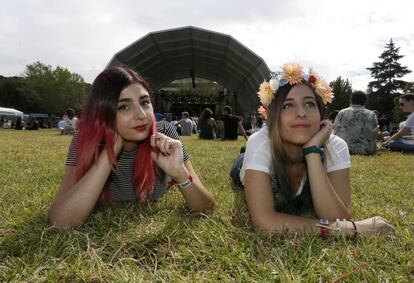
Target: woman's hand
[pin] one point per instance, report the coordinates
(320, 138)
(168, 155)
(374, 225)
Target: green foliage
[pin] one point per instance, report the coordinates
(163, 242)
(12, 94)
(54, 90)
(409, 88)
(342, 89)
(42, 89)
(387, 84)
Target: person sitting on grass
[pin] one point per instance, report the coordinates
(120, 153)
(403, 140)
(295, 172)
(229, 126)
(207, 125)
(186, 124)
(34, 124)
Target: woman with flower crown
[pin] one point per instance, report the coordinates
(295, 171)
(120, 154)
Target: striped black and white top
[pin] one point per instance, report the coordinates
(121, 181)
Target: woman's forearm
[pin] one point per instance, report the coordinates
(196, 196)
(72, 206)
(280, 222)
(326, 201)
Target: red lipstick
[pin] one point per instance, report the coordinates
(141, 128)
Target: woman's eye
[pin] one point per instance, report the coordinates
(287, 105)
(123, 107)
(310, 104)
(145, 102)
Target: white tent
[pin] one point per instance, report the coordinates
(10, 112)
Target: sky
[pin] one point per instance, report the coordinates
(335, 38)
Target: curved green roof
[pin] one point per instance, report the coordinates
(164, 56)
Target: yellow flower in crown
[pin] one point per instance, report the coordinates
(292, 73)
(266, 93)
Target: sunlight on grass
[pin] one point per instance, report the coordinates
(162, 241)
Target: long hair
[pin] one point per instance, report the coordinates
(97, 129)
(279, 154)
(205, 115)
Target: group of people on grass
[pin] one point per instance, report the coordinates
(294, 172)
(20, 124)
(67, 125)
(228, 127)
(359, 127)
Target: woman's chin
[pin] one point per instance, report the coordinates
(297, 141)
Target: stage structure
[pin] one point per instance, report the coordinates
(190, 52)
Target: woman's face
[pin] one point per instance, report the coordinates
(299, 118)
(407, 106)
(134, 116)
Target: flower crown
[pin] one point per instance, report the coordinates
(292, 74)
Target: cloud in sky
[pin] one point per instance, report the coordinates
(336, 38)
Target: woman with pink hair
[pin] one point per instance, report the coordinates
(120, 153)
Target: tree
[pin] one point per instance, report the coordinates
(12, 93)
(342, 90)
(53, 90)
(387, 84)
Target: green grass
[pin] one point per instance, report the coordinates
(162, 241)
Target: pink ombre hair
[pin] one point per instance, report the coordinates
(97, 129)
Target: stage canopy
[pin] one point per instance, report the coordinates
(164, 56)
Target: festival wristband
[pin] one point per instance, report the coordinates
(314, 149)
(183, 185)
(324, 227)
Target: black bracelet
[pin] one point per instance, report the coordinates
(355, 228)
(314, 149)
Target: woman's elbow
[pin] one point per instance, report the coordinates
(60, 221)
(261, 224)
(203, 207)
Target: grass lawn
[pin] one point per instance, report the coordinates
(162, 241)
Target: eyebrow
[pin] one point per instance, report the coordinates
(124, 100)
(306, 97)
(127, 99)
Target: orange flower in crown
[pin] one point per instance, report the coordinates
(322, 88)
(292, 74)
(262, 111)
